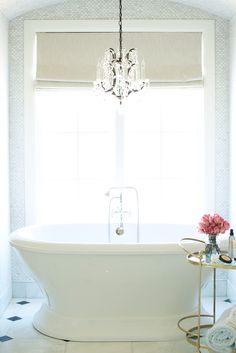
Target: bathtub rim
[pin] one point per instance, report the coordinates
(22, 239)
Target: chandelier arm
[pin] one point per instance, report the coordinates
(112, 85)
(130, 51)
(112, 68)
(119, 97)
(128, 59)
(114, 75)
(113, 53)
(131, 67)
(140, 89)
(108, 89)
(128, 54)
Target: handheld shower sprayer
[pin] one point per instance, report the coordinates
(116, 193)
(120, 229)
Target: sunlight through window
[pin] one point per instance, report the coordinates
(83, 149)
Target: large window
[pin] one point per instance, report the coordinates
(85, 146)
(77, 146)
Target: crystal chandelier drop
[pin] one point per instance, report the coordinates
(120, 73)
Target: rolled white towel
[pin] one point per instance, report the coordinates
(231, 319)
(221, 337)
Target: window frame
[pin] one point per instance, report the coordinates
(31, 27)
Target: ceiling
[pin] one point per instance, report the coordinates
(13, 8)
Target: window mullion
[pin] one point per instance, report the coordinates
(119, 147)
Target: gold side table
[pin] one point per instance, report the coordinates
(195, 335)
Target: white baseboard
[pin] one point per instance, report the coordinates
(231, 291)
(221, 288)
(27, 290)
(5, 299)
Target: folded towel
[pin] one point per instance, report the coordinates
(221, 337)
(231, 319)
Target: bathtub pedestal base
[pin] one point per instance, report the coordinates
(71, 328)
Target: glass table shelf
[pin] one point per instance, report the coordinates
(196, 259)
(198, 324)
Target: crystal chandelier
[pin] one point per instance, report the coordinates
(120, 73)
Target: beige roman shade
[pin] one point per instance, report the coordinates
(71, 58)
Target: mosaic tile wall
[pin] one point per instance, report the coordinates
(107, 9)
(5, 265)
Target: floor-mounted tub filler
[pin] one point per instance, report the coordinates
(98, 291)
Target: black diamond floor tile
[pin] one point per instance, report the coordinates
(227, 301)
(23, 302)
(5, 338)
(14, 318)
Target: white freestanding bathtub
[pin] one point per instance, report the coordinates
(97, 291)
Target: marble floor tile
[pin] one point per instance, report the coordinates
(163, 347)
(4, 326)
(19, 345)
(23, 329)
(28, 340)
(99, 347)
(28, 310)
(11, 310)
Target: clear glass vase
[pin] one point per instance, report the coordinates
(212, 248)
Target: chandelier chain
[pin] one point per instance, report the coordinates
(120, 26)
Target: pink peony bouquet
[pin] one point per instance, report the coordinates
(213, 225)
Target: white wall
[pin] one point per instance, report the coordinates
(5, 271)
(232, 274)
(233, 121)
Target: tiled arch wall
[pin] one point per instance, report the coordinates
(106, 9)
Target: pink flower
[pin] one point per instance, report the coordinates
(213, 224)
